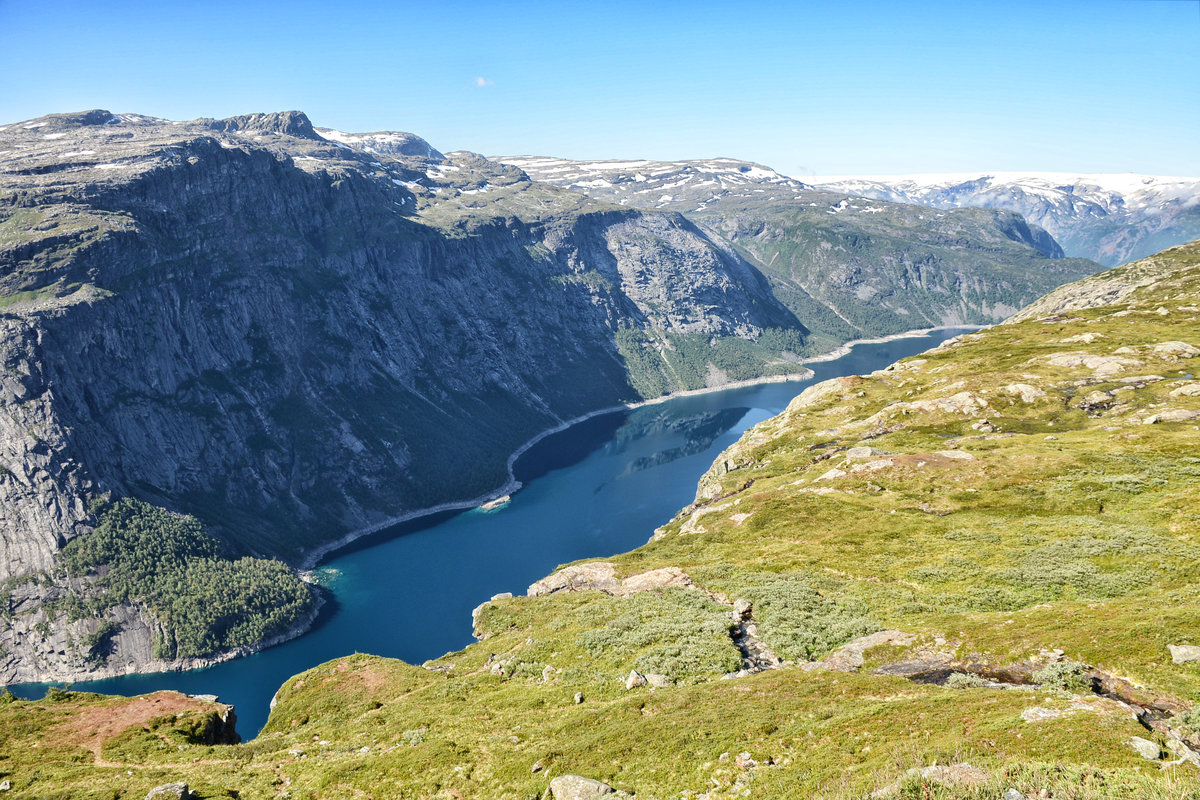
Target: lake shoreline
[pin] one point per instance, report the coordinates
(160, 666)
(314, 557)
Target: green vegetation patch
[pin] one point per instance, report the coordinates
(205, 600)
(659, 363)
(678, 633)
(798, 621)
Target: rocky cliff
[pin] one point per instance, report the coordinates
(847, 266)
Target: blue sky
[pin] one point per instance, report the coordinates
(808, 88)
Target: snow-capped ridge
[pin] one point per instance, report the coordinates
(681, 185)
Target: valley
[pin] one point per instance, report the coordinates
(969, 573)
(292, 339)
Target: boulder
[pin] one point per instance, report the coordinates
(1101, 365)
(1025, 391)
(598, 575)
(573, 787)
(1175, 350)
(635, 679)
(833, 473)
(1187, 390)
(849, 657)
(1184, 653)
(653, 579)
(601, 576)
(1145, 748)
(967, 403)
(864, 453)
(1178, 748)
(1096, 400)
(658, 681)
(1084, 338)
(1172, 415)
(170, 791)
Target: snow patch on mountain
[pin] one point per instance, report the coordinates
(657, 184)
(1109, 217)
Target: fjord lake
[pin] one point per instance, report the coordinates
(598, 488)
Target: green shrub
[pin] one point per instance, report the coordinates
(1069, 676)
(797, 621)
(965, 680)
(676, 632)
(1191, 719)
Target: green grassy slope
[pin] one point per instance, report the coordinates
(1017, 506)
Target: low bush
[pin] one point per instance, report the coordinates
(800, 623)
(1069, 676)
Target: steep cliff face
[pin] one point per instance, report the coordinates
(292, 338)
(880, 268)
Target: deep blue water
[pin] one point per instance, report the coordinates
(596, 489)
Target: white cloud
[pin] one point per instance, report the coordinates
(482, 81)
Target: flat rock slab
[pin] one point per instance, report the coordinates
(849, 657)
(601, 576)
(170, 791)
(1027, 392)
(1184, 653)
(1145, 748)
(573, 787)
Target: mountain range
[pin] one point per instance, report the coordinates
(845, 265)
(1109, 218)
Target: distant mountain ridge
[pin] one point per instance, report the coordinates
(677, 185)
(1109, 218)
(845, 265)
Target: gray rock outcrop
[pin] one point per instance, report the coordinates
(1184, 653)
(170, 791)
(574, 787)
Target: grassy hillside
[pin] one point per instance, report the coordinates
(962, 573)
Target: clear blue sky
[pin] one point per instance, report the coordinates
(816, 87)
